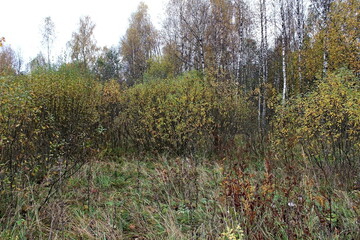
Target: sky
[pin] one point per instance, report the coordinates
(21, 20)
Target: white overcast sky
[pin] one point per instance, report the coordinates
(20, 21)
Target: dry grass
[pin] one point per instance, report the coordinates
(184, 198)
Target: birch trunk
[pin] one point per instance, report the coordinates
(264, 48)
(300, 35)
(283, 50)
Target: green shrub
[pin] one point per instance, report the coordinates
(159, 68)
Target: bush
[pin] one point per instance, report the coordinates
(325, 124)
(182, 115)
(51, 121)
(109, 109)
(47, 122)
(159, 68)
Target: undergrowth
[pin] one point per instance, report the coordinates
(162, 197)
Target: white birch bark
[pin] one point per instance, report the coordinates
(283, 50)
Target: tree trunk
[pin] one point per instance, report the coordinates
(264, 70)
(283, 51)
(300, 35)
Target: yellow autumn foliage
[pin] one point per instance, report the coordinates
(45, 118)
(183, 114)
(326, 122)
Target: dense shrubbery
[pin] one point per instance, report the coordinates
(50, 123)
(163, 153)
(109, 107)
(184, 114)
(47, 121)
(310, 168)
(50, 120)
(324, 125)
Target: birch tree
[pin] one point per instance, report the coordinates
(186, 31)
(283, 50)
(300, 17)
(246, 47)
(83, 46)
(322, 9)
(140, 43)
(48, 37)
(263, 64)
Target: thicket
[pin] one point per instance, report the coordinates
(323, 126)
(47, 122)
(262, 142)
(52, 122)
(184, 115)
(305, 184)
